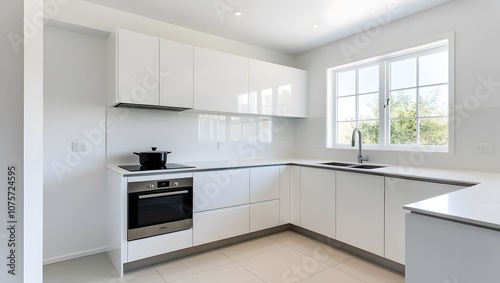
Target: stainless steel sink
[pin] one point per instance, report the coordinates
(365, 166)
(340, 164)
(350, 165)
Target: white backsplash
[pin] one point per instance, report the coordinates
(196, 136)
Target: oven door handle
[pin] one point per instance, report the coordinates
(163, 194)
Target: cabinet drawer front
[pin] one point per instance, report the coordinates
(157, 245)
(264, 183)
(219, 189)
(264, 215)
(214, 225)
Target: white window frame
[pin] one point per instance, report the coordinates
(413, 50)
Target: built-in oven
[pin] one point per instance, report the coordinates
(159, 207)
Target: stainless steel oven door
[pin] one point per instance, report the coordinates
(159, 207)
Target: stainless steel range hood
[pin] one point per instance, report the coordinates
(155, 107)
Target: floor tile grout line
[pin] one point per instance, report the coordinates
(193, 274)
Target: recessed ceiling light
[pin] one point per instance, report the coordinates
(315, 26)
(237, 13)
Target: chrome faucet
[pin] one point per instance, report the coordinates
(361, 157)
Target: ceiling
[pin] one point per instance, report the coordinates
(281, 25)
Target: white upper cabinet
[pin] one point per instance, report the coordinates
(221, 81)
(176, 74)
(360, 211)
(137, 66)
(277, 90)
(146, 71)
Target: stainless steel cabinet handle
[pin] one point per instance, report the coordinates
(164, 194)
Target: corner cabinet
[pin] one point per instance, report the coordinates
(277, 90)
(146, 71)
(221, 81)
(360, 211)
(399, 192)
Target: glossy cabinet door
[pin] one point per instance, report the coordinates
(399, 192)
(295, 195)
(264, 183)
(285, 174)
(360, 211)
(176, 74)
(219, 224)
(138, 63)
(220, 188)
(277, 90)
(317, 200)
(264, 215)
(220, 81)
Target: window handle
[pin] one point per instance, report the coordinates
(387, 103)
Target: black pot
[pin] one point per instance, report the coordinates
(153, 158)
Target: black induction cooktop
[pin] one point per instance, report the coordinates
(168, 166)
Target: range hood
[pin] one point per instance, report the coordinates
(147, 106)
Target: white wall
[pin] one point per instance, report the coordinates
(475, 25)
(74, 183)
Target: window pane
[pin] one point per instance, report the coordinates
(433, 69)
(434, 131)
(346, 83)
(369, 131)
(368, 80)
(346, 108)
(404, 74)
(433, 101)
(403, 103)
(344, 132)
(404, 132)
(368, 106)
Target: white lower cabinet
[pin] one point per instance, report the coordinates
(161, 244)
(264, 183)
(360, 211)
(444, 251)
(214, 225)
(295, 195)
(285, 174)
(221, 188)
(399, 192)
(264, 215)
(317, 200)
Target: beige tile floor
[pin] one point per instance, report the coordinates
(279, 258)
